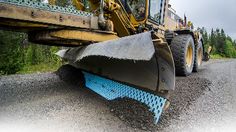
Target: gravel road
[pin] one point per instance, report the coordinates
(204, 101)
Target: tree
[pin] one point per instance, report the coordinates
(205, 37)
(229, 49)
(10, 54)
(213, 41)
(221, 43)
(234, 44)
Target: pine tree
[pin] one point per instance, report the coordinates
(213, 41)
(221, 41)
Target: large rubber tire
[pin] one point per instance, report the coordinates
(198, 57)
(184, 60)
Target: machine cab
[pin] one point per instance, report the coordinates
(143, 10)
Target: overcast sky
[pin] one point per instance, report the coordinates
(209, 13)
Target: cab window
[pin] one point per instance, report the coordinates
(155, 8)
(138, 8)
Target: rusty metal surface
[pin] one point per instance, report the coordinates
(82, 35)
(43, 5)
(70, 37)
(31, 15)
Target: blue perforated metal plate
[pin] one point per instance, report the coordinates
(112, 90)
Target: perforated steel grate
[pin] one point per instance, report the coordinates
(111, 90)
(43, 6)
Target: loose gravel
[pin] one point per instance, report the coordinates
(44, 102)
(133, 113)
(188, 90)
(215, 111)
(136, 115)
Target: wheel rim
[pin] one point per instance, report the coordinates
(189, 56)
(199, 56)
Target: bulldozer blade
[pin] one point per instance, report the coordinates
(135, 60)
(136, 66)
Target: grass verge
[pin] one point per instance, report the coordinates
(217, 56)
(42, 67)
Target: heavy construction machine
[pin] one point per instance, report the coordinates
(119, 46)
(176, 30)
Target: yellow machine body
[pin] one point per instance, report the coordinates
(102, 21)
(125, 44)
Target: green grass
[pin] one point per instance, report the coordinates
(217, 56)
(43, 67)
